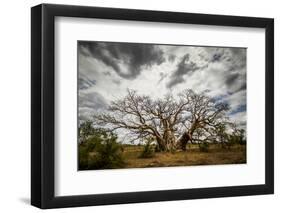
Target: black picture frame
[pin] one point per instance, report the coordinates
(43, 102)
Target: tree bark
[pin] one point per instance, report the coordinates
(184, 139)
(167, 143)
(170, 140)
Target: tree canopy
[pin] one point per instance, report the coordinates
(172, 121)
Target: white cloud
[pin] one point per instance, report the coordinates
(222, 71)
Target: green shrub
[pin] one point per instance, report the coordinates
(242, 142)
(107, 155)
(83, 157)
(237, 137)
(227, 145)
(204, 147)
(148, 151)
(99, 150)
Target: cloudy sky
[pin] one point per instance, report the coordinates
(106, 70)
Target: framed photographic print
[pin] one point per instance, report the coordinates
(139, 106)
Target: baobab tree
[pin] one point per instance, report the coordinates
(171, 121)
(204, 115)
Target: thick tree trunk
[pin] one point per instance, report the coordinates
(184, 139)
(160, 144)
(187, 136)
(169, 139)
(167, 143)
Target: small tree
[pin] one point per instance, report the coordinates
(107, 155)
(204, 146)
(85, 129)
(238, 135)
(99, 148)
(148, 151)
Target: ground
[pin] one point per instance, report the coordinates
(193, 156)
(131, 156)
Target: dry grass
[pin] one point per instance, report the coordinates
(215, 155)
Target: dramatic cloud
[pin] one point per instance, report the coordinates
(90, 103)
(184, 67)
(84, 82)
(93, 99)
(126, 59)
(230, 63)
(106, 70)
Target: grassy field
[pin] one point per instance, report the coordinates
(131, 156)
(193, 156)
